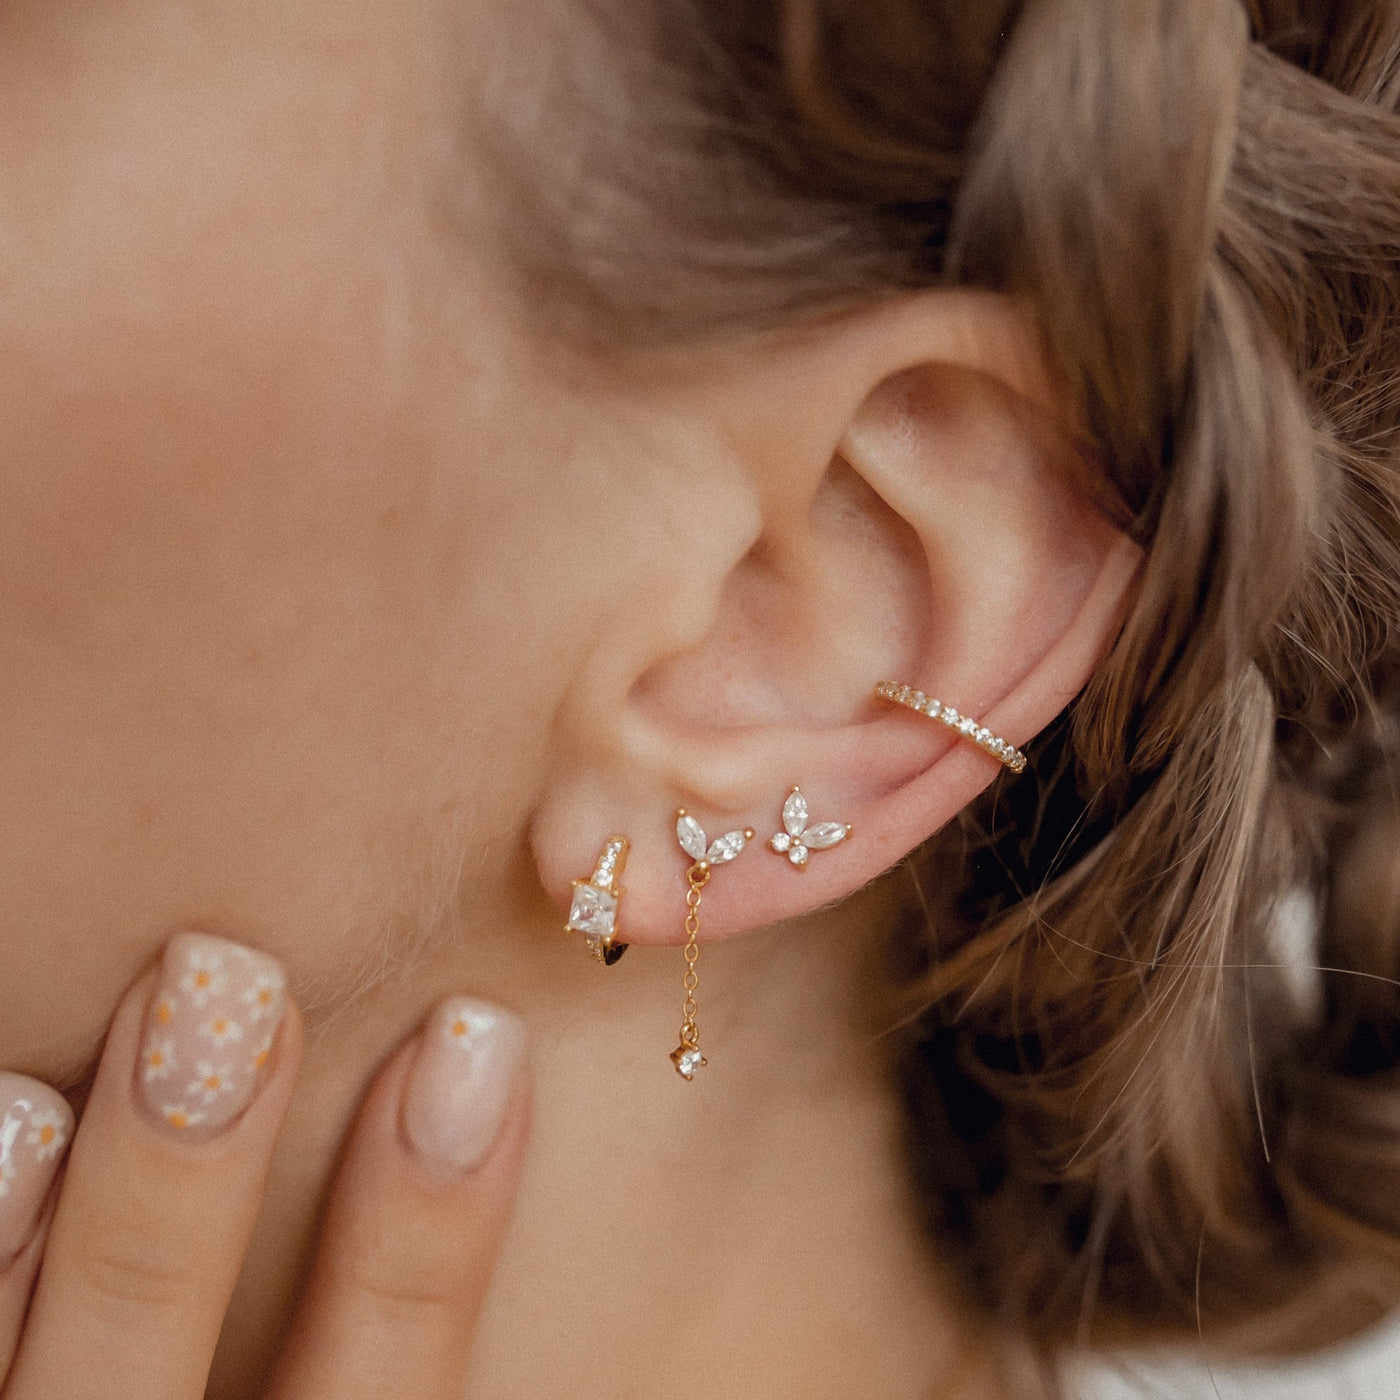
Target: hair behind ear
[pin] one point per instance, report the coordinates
(1156, 1123)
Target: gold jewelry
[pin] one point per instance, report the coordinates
(706, 855)
(593, 912)
(797, 839)
(983, 737)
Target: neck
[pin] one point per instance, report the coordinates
(744, 1235)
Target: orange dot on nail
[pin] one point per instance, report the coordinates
(212, 1081)
(264, 996)
(163, 1013)
(46, 1135)
(201, 979)
(155, 1059)
(178, 1119)
(219, 1025)
(260, 1059)
(459, 1027)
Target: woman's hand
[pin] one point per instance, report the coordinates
(121, 1288)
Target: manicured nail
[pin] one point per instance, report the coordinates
(459, 1086)
(209, 1034)
(35, 1126)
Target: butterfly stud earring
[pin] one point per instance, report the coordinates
(797, 840)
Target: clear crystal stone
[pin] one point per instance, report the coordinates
(606, 872)
(968, 726)
(934, 708)
(593, 913)
(687, 1061)
(691, 835)
(950, 715)
(780, 842)
(798, 855)
(824, 835)
(795, 813)
(983, 734)
(725, 847)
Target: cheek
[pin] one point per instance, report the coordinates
(243, 689)
(267, 610)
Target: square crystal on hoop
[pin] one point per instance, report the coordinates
(593, 914)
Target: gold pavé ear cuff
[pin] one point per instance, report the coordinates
(967, 728)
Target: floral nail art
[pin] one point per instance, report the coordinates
(209, 1033)
(36, 1125)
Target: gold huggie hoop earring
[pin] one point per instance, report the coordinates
(593, 912)
(980, 735)
(706, 855)
(797, 840)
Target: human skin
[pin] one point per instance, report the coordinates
(345, 613)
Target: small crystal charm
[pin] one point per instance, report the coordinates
(593, 912)
(687, 1059)
(799, 840)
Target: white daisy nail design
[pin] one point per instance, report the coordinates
(210, 1081)
(221, 1031)
(201, 1062)
(204, 977)
(48, 1133)
(158, 1059)
(180, 1116)
(36, 1124)
(263, 997)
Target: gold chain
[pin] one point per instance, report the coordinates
(697, 877)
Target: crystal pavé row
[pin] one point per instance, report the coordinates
(980, 735)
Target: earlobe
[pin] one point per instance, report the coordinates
(938, 535)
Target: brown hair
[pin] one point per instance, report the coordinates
(1128, 1113)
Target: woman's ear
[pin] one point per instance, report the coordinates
(916, 513)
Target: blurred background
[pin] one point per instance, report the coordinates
(1370, 1371)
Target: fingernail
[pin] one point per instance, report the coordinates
(459, 1086)
(36, 1124)
(209, 1034)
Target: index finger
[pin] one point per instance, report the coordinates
(416, 1217)
(164, 1182)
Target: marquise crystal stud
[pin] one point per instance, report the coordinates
(593, 912)
(797, 840)
(961, 725)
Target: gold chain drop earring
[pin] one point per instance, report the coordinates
(705, 855)
(979, 734)
(797, 840)
(593, 912)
